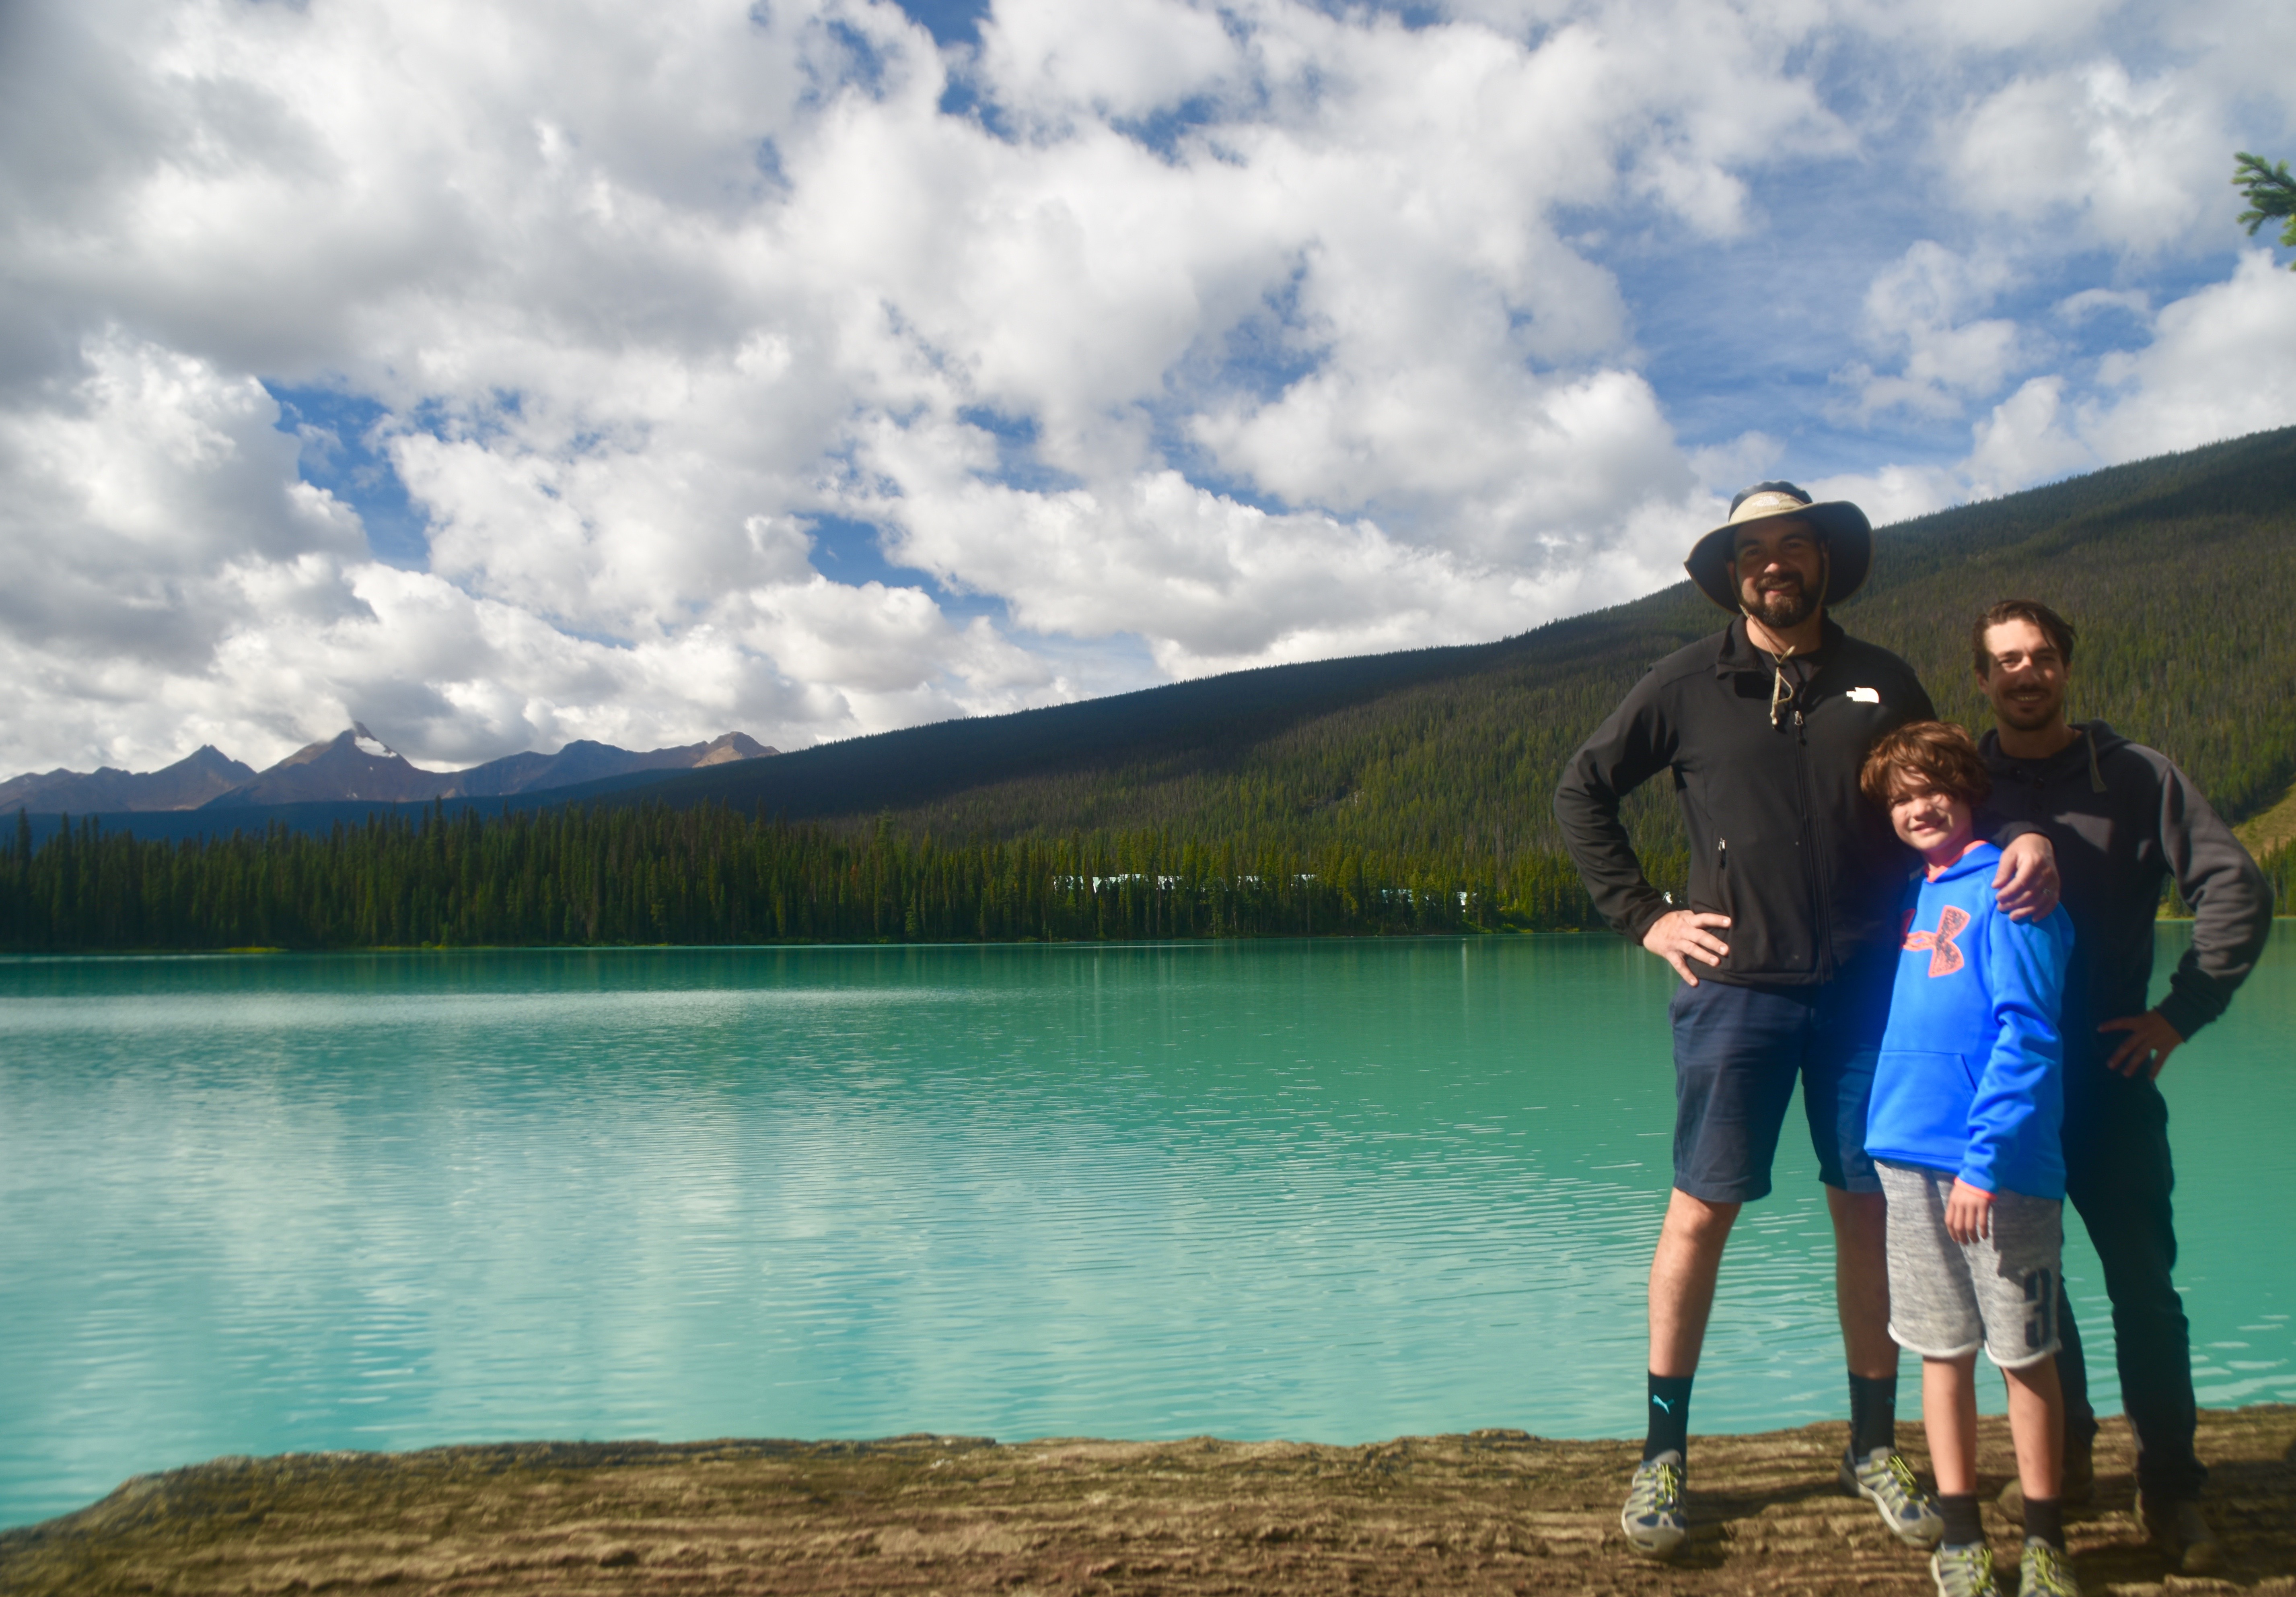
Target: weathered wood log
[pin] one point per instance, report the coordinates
(1494, 1512)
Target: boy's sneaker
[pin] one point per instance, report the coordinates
(1654, 1519)
(1963, 1571)
(2179, 1530)
(2046, 1571)
(1883, 1479)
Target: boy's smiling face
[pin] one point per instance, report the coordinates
(1938, 826)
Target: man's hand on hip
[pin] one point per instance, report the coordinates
(1680, 935)
(2151, 1041)
(2026, 884)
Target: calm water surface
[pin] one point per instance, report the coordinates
(1327, 1190)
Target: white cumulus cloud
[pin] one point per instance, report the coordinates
(710, 365)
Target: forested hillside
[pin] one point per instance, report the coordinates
(704, 874)
(1389, 793)
(2180, 573)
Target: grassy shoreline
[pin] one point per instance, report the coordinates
(1476, 934)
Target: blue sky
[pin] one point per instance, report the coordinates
(831, 366)
(951, 22)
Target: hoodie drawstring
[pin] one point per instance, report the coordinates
(1781, 695)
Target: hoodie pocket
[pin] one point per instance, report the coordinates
(1921, 1107)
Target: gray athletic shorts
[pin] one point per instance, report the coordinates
(1948, 1299)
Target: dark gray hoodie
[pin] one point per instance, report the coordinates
(2125, 821)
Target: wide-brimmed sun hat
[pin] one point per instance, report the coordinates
(1849, 541)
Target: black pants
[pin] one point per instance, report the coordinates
(2119, 1179)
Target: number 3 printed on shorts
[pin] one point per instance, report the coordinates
(2040, 1308)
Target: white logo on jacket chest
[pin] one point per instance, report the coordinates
(1865, 696)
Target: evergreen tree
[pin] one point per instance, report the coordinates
(2271, 195)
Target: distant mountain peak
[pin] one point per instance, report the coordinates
(729, 747)
(584, 761)
(357, 764)
(186, 785)
(353, 764)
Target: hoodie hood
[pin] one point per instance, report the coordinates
(2126, 823)
(2077, 758)
(1983, 857)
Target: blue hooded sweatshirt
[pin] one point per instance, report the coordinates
(1971, 1080)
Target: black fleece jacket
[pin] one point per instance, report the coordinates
(1781, 839)
(2125, 821)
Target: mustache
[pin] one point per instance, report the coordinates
(1788, 592)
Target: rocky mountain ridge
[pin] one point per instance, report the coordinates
(186, 785)
(353, 764)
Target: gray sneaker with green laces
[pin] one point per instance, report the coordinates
(1883, 1479)
(2046, 1572)
(1963, 1571)
(1654, 1519)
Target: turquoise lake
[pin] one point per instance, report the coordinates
(1335, 1191)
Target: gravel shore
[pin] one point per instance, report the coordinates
(1496, 1511)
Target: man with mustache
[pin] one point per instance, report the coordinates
(2125, 821)
(1786, 947)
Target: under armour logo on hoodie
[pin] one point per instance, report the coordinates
(1945, 955)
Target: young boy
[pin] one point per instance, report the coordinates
(1968, 1096)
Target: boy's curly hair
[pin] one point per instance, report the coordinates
(1935, 754)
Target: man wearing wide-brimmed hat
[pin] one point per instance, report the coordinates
(1786, 946)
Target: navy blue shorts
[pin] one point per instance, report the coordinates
(1738, 1052)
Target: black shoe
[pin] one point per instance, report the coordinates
(2076, 1489)
(2181, 1531)
(2079, 1484)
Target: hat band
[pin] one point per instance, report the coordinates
(1767, 505)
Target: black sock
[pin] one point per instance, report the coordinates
(1872, 1413)
(1962, 1528)
(2045, 1516)
(1669, 1416)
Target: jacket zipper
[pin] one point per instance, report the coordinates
(1819, 888)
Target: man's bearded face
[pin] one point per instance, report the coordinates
(2027, 675)
(1780, 571)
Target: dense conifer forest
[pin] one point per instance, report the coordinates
(1396, 793)
(651, 874)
